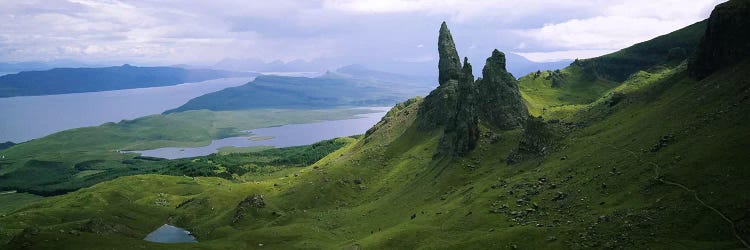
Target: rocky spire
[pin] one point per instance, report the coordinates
(449, 65)
(500, 103)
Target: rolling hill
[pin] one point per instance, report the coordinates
(658, 161)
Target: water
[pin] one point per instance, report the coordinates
(283, 136)
(170, 234)
(29, 117)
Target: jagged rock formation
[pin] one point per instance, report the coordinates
(500, 101)
(459, 103)
(449, 64)
(726, 41)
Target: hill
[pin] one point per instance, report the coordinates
(78, 80)
(657, 162)
(583, 81)
(349, 86)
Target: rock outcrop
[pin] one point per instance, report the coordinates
(246, 206)
(459, 103)
(537, 140)
(500, 101)
(726, 41)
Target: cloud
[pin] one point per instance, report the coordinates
(556, 56)
(418, 59)
(620, 25)
(351, 31)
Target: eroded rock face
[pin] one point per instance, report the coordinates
(438, 107)
(500, 102)
(462, 131)
(449, 64)
(726, 41)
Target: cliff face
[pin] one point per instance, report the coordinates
(459, 103)
(726, 41)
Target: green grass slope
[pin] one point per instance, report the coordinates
(548, 92)
(660, 166)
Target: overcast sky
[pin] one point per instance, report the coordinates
(351, 31)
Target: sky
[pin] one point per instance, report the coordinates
(167, 32)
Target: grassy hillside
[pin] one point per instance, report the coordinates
(554, 91)
(658, 167)
(81, 157)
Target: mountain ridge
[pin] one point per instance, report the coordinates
(334, 89)
(81, 80)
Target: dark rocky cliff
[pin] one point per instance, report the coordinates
(726, 41)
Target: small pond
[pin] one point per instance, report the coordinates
(170, 234)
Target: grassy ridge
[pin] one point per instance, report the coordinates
(551, 92)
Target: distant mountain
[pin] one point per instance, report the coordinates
(258, 65)
(348, 86)
(520, 66)
(517, 65)
(13, 67)
(78, 80)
